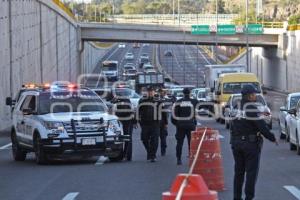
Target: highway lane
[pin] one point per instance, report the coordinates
(186, 64)
(119, 55)
(138, 179)
(92, 178)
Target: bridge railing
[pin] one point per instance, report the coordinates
(170, 19)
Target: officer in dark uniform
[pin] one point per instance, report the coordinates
(184, 118)
(246, 140)
(165, 104)
(123, 108)
(148, 117)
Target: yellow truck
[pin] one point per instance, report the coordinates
(228, 84)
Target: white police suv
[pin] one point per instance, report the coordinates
(62, 120)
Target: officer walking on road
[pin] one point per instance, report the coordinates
(124, 110)
(184, 118)
(164, 121)
(246, 140)
(148, 117)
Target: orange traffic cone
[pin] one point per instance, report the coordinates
(196, 189)
(209, 162)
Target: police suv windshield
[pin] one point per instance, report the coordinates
(70, 101)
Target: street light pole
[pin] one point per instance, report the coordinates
(173, 11)
(178, 11)
(217, 16)
(247, 36)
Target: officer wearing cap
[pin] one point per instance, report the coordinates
(184, 118)
(165, 104)
(246, 140)
(148, 117)
(123, 108)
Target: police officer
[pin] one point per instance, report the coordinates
(165, 103)
(123, 108)
(184, 118)
(246, 140)
(148, 117)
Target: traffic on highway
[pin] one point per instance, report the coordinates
(72, 140)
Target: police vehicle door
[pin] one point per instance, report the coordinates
(25, 121)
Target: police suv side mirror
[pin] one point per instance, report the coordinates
(9, 101)
(292, 111)
(282, 109)
(28, 111)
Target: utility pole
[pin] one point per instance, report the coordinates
(173, 11)
(217, 16)
(247, 36)
(178, 11)
(95, 12)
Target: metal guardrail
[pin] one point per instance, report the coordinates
(185, 181)
(170, 19)
(64, 8)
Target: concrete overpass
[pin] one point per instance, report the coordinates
(168, 34)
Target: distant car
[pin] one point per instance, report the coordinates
(293, 128)
(130, 73)
(234, 102)
(168, 53)
(146, 45)
(177, 92)
(148, 68)
(122, 45)
(127, 67)
(129, 56)
(129, 93)
(142, 61)
(136, 45)
(290, 103)
(144, 56)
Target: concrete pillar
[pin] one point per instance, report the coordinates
(41, 45)
(10, 49)
(56, 41)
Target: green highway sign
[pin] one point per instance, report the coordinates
(200, 30)
(254, 29)
(227, 29)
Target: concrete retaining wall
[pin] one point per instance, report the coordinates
(92, 55)
(277, 69)
(38, 43)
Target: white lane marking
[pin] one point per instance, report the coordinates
(208, 62)
(112, 53)
(5, 146)
(101, 160)
(293, 190)
(71, 196)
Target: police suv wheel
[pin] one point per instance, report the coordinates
(18, 153)
(40, 155)
(118, 158)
